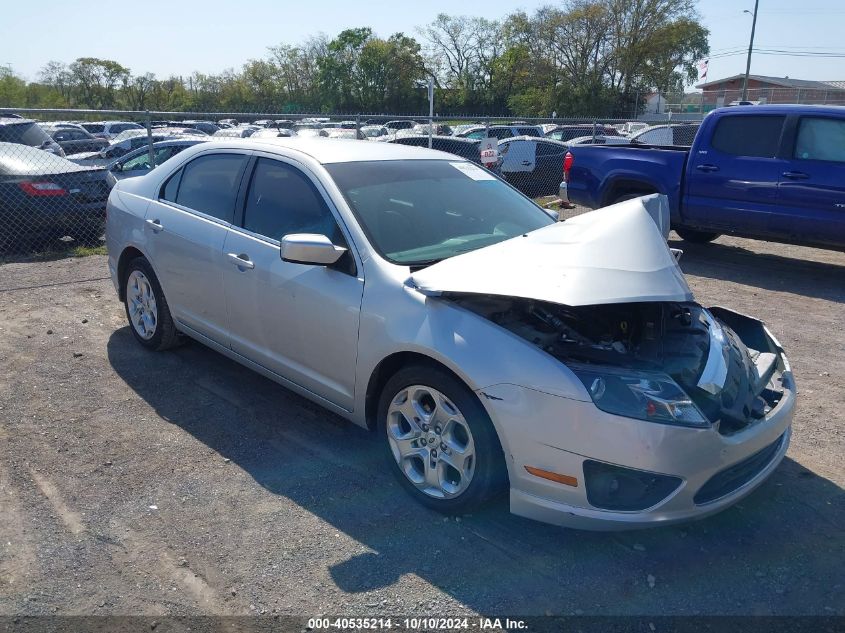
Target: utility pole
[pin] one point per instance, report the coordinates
(750, 48)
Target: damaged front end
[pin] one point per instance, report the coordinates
(666, 362)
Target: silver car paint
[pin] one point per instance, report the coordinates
(542, 413)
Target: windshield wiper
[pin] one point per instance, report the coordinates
(415, 266)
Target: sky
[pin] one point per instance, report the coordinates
(213, 35)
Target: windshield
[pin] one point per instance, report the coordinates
(418, 212)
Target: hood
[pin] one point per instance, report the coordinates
(612, 255)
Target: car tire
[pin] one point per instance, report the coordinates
(146, 307)
(458, 428)
(696, 237)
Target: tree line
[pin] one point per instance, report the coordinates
(578, 58)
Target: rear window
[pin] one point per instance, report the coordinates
(684, 134)
(528, 131)
(24, 134)
(94, 128)
(756, 135)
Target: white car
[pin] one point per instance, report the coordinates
(490, 348)
(110, 129)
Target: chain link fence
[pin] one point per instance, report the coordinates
(57, 167)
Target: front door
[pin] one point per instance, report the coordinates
(298, 320)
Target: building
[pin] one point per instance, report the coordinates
(763, 89)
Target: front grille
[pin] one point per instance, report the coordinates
(725, 482)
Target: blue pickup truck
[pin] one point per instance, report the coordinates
(771, 172)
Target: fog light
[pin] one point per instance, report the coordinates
(615, 488)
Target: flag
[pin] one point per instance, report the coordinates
(702, 68)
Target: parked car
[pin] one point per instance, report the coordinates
(501, 131)
(129, 141)
(76, 139)
(272, 133)
(374, 131)
(44, 195)
(772, 172)
(206, 127)
(491, 348)
(463, 147)
(599, 140)
(137, 162)
(345, 133)
(229, 122)
(27, 132)
(568, 132)
(533, 165)
(677, 134)
(441, 129)
(242, 131)
(400, 124)
(110, 129)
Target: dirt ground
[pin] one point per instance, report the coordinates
(182, 483)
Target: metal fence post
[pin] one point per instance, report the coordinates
(595, 127)
(358, 126)
(150, 141)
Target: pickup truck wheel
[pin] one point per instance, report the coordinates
(696, 237)
(439, 441)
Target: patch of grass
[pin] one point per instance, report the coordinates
(86, 251)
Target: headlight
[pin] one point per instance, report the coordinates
(650, 396)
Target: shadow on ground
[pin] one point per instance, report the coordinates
(778, 551)
(783, 273)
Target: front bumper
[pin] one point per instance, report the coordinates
(558, 435)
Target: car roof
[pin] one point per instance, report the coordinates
(12, 120)
(335, 150)
(534, 139)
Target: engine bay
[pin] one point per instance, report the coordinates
(669, 337)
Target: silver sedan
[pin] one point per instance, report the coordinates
(490, 348)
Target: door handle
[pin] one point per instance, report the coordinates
(155, 225)
(241, 261)
(795, 175)
(526, 163)
(707, 167)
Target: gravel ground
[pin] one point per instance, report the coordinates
(181, 483)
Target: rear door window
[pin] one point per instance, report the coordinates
(210, 183)
(756, 135)
(820, 139)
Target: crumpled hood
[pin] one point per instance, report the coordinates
(612, 255)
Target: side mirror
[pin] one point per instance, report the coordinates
(310, 248)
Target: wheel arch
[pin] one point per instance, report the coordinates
(127, 255)
(386, 368)
(624, 185)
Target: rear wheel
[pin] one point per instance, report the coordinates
(440, 442)
(146, 308)
(696, 237)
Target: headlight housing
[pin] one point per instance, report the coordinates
(650, 396)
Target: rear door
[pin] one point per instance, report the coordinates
(185, 230)
(812, 187)
(732, 181)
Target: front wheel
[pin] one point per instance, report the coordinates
(696, 237)
(439, 440)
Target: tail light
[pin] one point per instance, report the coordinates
(42, 188)
(567, 165)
